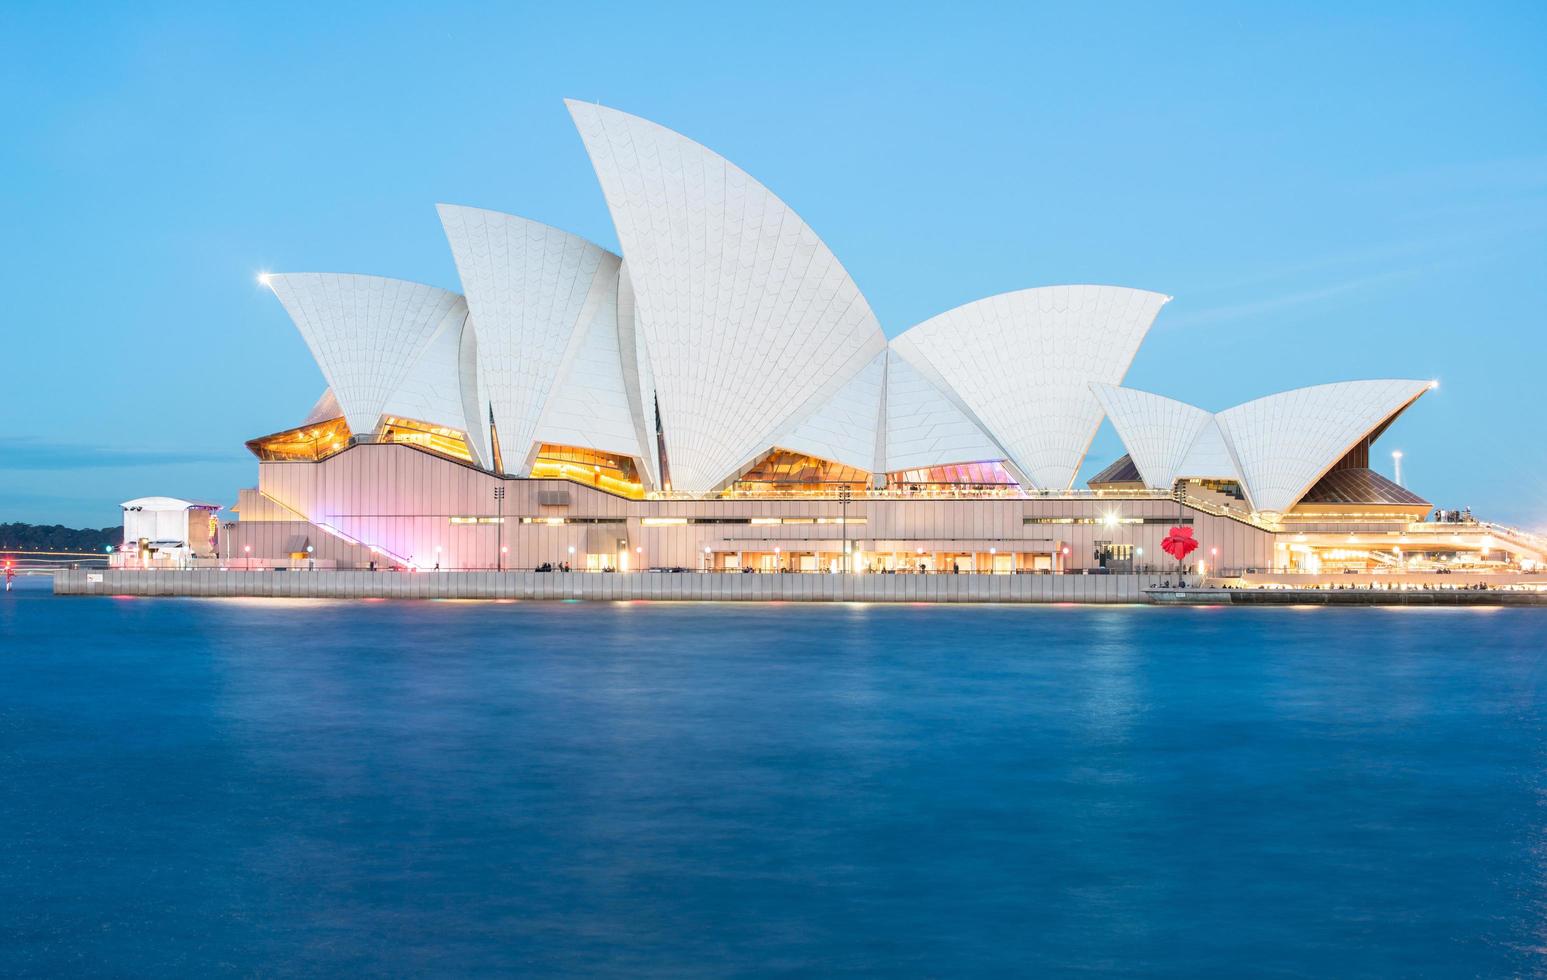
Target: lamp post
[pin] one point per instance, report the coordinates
(844, 493)
(499, 527)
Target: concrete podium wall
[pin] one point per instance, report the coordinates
(690, 586)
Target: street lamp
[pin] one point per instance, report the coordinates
(706, 558)
(571, 565)
(499, 526)
(844, 493)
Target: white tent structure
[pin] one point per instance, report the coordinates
(168, 528)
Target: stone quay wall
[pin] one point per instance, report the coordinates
(660, 586)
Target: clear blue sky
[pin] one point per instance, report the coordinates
(1329, 193)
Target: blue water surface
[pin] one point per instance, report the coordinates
(207, 787)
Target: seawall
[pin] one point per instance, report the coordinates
(664, 586)
(1347, 597)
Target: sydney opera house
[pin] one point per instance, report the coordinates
(720, 396)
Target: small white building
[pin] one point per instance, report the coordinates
(169, 530)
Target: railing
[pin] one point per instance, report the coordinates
(1520, 536)
(1243, 516)
(1529, 538)
(964, 492)
(335, 532)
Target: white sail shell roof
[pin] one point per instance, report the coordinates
(749, 319)
(589, 406)
(365, 333)
(432, 389)
(1277, 447)
(1158, 432)
(474, 409)
(326, 409)
(1209, 458)
(924, 428)
(843, 429)
(1286, 442)
(533, 291)
(1023, 363)
(638, 380)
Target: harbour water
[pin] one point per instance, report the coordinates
(209, 787)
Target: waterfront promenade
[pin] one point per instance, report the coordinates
(686, 586)
(732, 587)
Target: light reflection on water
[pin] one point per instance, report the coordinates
(320, 786)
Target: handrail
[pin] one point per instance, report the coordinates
(336, 532)
(1244, 517)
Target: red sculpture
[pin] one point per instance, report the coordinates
(1179, 543)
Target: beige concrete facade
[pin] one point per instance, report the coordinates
(421, 510)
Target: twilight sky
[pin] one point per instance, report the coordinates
(1328, 193)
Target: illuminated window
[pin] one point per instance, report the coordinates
(761, 521)
(605, 471)
(307, 443)
(1105, 520)
(990, 475)
(784, 472)
(437, 439)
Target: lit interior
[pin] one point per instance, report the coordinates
(307, 443)
(782, 471)
(989, 475)
(437, 439)
(606, 471)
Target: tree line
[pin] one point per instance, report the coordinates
(57, 537)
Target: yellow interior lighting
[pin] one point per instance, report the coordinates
(307, 443)
(605, 471)
(437, 439)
